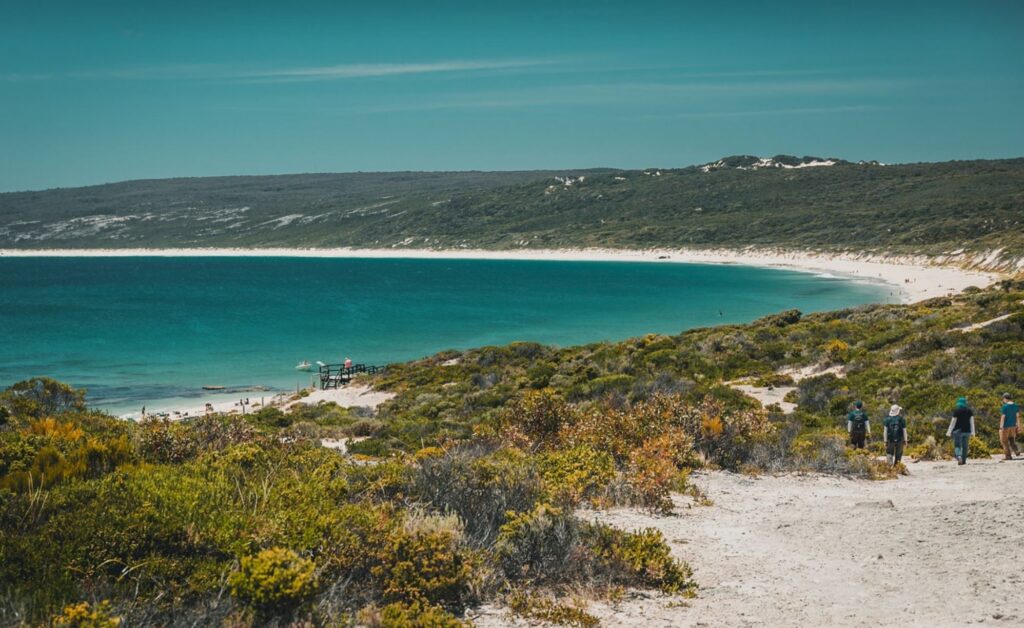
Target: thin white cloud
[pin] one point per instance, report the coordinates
(776, 112)
(363, 70)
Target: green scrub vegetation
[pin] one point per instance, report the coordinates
(463, 488)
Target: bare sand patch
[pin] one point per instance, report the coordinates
(351, 396)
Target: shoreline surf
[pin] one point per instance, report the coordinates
(913, 278)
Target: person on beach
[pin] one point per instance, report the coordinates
(348, 363)
(1008, 427)
(894, 430)
(961, 428)
(858, 425)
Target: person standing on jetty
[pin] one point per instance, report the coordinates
(894, 431)
(961, 428)
(1008, 427)
(858, 425)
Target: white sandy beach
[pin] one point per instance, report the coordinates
(911, 278)
(354, 395)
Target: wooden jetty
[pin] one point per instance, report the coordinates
(337, 375)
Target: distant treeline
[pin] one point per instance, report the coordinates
(927, 208)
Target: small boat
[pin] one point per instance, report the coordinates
(303, 366)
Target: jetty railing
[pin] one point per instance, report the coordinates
(337, 375)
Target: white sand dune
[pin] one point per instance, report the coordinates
(351, 396)
(938, 548)
(776, 394)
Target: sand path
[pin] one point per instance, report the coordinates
(942, 547)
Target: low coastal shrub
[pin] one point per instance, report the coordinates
(409, 615)
(640, 558)
(41, 397)
(978, 448)
(539, 546)
(654, 472)
(480, 485)
(86, 615)
(427, 567)
(571, 476)
(274, 579)
(928, 450)
(537, 607)
(165, 441)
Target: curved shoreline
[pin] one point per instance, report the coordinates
(913, 278)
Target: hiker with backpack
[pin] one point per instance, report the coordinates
(1008, 427)
(858, 425)
(894, 430)
(961, 428)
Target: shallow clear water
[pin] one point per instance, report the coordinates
(149, 330)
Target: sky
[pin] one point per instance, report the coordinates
(101, 91)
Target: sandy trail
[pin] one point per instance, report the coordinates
(942, 547)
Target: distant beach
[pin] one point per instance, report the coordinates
(912, 278)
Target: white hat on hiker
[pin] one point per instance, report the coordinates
(894, 410)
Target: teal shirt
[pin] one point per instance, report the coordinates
(859, 418)
(894, 425)
(1010, 410)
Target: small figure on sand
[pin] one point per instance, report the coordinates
(348, 363)
(894, 430)
(858, 425)
(1008, 427)
(961, 428)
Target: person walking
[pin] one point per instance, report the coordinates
(858, 425)
(1008, 427)
(894, 430)
(961, 428)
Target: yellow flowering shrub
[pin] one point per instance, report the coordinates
(86, 615)
(275, 578)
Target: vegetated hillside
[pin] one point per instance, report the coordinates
(464, 486)
(784, 202)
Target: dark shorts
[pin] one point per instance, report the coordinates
(857, 438)
(894, 449)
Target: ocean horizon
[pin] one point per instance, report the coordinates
(155, 330)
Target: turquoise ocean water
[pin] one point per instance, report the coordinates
(155, 330)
